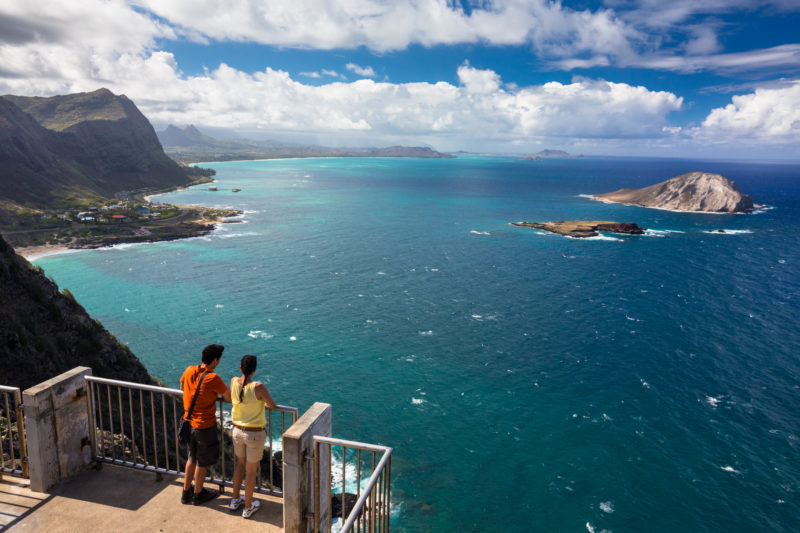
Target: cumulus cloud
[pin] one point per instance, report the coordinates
(766, 115)
(367, 72)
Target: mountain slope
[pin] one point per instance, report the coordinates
(78, 146)
(44, 332)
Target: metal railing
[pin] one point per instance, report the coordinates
(136, 426)
(370, 511)
(13, 449)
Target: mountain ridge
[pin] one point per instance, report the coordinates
(190, 145)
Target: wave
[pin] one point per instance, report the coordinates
(660, 232)
(476, 232)
(600, 237)
(258, 334)
(728, 231)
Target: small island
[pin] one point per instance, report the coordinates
(581, 229)
(694, 191)
(549, 154)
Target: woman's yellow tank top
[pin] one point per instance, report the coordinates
(249, 412)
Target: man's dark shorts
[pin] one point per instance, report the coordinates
(204, 446)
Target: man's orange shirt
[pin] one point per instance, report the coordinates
(205, 409)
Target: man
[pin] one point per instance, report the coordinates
(204, 443)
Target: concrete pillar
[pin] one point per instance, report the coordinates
(57, 428)
(298, 473)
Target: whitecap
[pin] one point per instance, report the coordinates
(713, 402)
(426, 333)
(600, 237)
(632, 319)
(660, 232)
(607, 507)
(477, 317)
(782, 261)
(292, 338)
(645, 384)
(730, 469)
(219, 306)
(724, 231)
(381, 273)
(418, 401)
(475, 232)
(258, 334)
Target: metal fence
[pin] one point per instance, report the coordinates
(13, 450)
(137, 425)
(363, 502)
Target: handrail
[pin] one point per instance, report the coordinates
(137, 428)
(19, 425)
(377, 513)
(373, 480)
(165, 390)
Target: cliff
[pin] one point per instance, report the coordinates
(44, 332)
(695, 191)
(75, 148)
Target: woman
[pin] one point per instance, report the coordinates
(249, 432)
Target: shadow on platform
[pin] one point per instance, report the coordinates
(122, 499)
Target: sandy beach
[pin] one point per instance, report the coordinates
(32, 253)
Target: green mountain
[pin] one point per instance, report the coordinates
(44, 332)
(76, 148)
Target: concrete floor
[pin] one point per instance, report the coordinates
(122, 499)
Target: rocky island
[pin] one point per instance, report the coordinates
(694, 191)
(581, 229)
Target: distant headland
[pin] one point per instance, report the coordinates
(694, 191)
(549, 154)
(581, 229)
(190, 145)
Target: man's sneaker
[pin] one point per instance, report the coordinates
(235, 504)
(186, 497)
(248, 511)
(203, 496)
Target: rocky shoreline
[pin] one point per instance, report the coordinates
(581, 229)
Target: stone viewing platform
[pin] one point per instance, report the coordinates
(82, 453)
(122, 499)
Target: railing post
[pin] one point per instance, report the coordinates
(57, 427)
(23, 445)
(302, 508)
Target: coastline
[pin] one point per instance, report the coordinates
(197, 227)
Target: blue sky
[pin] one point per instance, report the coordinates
(717, 78)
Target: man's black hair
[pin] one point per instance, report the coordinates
(211, 352)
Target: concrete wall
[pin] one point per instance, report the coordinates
(57, 428)
(298, 473)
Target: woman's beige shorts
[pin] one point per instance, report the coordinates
(249, 445)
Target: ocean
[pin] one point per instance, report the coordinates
(527, 381)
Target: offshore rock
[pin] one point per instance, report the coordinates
(584, 228)
(695, 191)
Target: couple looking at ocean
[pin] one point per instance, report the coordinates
(201, 386)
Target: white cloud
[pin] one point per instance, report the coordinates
(549, 27)
(775, 57)
(367, 72)
(311, 74)
(767, 116)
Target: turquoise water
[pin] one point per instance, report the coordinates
(527, 382)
